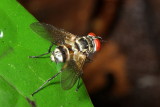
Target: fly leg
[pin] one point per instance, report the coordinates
(78, 84)
(42, 86)
(88, 60)
(49, 51)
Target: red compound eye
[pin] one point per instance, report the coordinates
(98, 44)
(96, 41)
(91, 34)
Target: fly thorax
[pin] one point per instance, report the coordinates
(91, 44)
(60, 54)
(82, 44)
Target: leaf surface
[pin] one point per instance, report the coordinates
(20, 76)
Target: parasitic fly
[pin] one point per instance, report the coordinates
(72, 50)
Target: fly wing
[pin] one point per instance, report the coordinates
(72, 70)
(51, 33)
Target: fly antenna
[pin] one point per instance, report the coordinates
(104, 41)
(41, 87)
(97, 37)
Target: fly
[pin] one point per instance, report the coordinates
(71, 50)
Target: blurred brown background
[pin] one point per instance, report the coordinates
(126, 71)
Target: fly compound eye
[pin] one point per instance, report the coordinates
(97, 43)
(91, 34)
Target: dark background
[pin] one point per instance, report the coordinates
(126, 72)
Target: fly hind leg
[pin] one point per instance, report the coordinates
(42, 86)
(78, 84)
(49, 51)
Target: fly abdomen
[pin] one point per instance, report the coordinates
(60, 54)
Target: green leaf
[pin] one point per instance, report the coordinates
(10, 97)
(20, 76)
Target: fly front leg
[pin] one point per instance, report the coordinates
(49, 51)
(89, 60)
